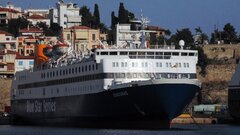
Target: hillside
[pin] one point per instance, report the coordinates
(5, 87)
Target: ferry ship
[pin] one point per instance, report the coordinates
(127, 85)
(234, 95)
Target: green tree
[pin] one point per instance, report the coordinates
(184, 34)
(122, 14)
(87, 18)
(198, 30)
(96, 16)
(15, 24)
(202, 59)
(229, 34)
(168, 32)
(202, 36)
(56, 28)
(114, 20)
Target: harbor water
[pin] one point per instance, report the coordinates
(176, 130)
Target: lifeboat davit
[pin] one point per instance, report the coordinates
(48, 51)
(60, 49)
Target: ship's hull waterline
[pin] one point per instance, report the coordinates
(138, 106)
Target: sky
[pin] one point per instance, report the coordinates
(168, 14)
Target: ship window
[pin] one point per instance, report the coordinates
(69, 71)
(50, 74)
(184, 64)
(167, 53)
(63, 72)
(57, 73)
(150, 53)
(166, 64)
(146, 64)
(175, 54)
(113, 53)
(123, 53)
(188, 65)
(132, 53)
(79, 69)
(113, 64)
(184, 54)
(122, 64)
(60, 72)
(179, 65)
(157, 64)
(159, 53)
(104, 53)
(76, 70)
(96, 66)
(47, 74)
(53, 73)
(86, 68)
(44, 92)
(89, 67)
(92, 67)
(66, 72)
(191, 54)
(126, 64)
(72, 70)
(160, 64)
(116, 64)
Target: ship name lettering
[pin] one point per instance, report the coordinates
(38, 106)
(119, 94)
(49, 106)
(30, 106)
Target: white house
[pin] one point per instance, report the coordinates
(65, 14)
(125, 35)
(23, 62)
(34, 19)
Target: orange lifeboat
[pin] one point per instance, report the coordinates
(40, 58)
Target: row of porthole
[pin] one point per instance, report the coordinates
(69, 71)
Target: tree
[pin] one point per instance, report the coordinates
(168, 32)
(114, 20)
(56, 28)
(87, 18)
(184, 34)
(15, 24)
(202, 37)
(198, 30)
(229, 34)
(122, 14)
(202, 59)
(96, 16)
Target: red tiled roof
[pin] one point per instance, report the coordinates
(31, 29)
(36, 17)
(79, 27)
(19, 56)
(3, 63)
(6, 33)
(8, 10)
(155, 28)
(2, 52)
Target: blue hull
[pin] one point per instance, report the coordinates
(160, 103)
